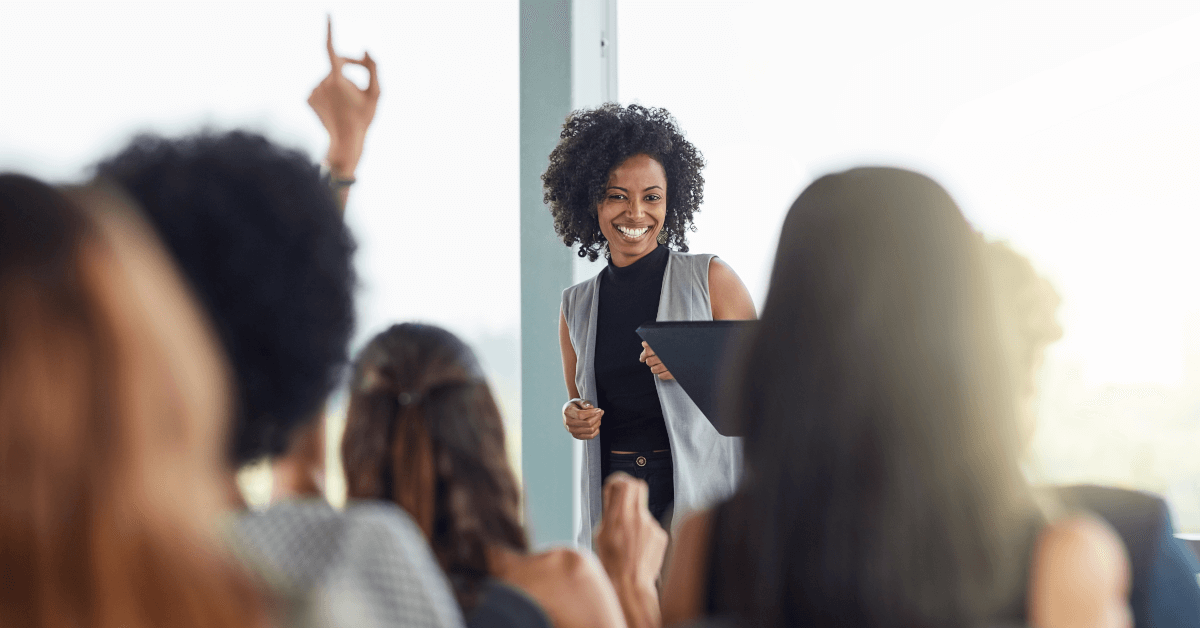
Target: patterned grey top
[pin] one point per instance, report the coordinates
(367, 566)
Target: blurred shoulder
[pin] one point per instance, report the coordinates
(383, 535)
(387, 563)
(564, 566)
(366, 565)
(571, 587)
(379, 516)
(1084, 540)
(293, 541)
(1079, 576)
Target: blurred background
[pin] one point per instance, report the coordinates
(1069, 129)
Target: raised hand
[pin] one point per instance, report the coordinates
(344, 109)
(651, 360)
(582, 420)
(631, 546)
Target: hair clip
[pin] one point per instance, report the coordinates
(407, 398)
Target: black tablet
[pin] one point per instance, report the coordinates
(697, 355)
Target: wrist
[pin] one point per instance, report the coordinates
(631, 582)
(568, 404)
(639, 601)
(343, 160)
(341, 169)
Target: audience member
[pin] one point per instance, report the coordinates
(347, 113)
(423, 431)
(259, 236)
(1164, 592)
(114, 403)
(882, 480)
(257, 232)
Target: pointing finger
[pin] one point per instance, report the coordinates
(335, 62)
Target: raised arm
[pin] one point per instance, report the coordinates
(631, 546)
(347, 112)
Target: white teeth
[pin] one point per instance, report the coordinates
(633, 233)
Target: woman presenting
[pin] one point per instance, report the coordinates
(623, 182)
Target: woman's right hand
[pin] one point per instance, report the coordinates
(631, 546)
(582, 419)
(345, 110)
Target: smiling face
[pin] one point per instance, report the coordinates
(633, 209)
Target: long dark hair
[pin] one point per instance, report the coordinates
(423, 431)
(114, 409)
(882, 485)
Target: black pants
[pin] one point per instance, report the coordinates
(657, 470)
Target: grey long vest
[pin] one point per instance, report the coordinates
(707, 465)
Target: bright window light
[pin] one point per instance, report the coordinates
(1068, 129)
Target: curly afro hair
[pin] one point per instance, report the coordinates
(261, 239)
(592, 143)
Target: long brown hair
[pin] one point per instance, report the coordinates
(882, 485)
(423, 431)
(113, 407)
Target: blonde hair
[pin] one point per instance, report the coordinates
(114, 403)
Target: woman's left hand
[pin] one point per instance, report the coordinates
(651, 360)
(344, 109)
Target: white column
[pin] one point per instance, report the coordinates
(568, 60)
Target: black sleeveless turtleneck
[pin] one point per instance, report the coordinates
(625, 389)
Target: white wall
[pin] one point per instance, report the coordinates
(436, 207)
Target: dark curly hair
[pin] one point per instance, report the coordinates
(592, 143)
(262, 242)
(423, 430)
